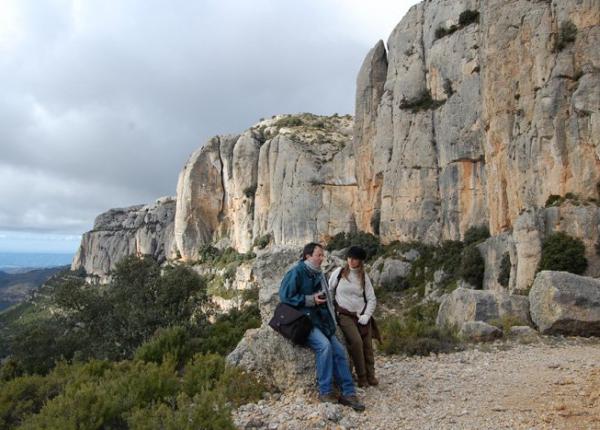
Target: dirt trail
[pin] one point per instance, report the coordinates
(552, 384)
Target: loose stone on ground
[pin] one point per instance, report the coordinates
(550, 384)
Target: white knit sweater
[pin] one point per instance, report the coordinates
(349, 292)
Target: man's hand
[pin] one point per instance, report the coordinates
(363, 319)
(320, 298)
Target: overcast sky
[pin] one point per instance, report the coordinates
(103, 101)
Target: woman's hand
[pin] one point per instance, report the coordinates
(363, 319)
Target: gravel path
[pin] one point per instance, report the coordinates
(553, 384)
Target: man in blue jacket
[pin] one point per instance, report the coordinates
(305, 288)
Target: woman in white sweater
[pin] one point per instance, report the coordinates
(355, 304)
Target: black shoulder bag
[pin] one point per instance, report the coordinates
(291, 323)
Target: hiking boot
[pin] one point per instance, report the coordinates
(353, 402)
(363, 381)
(372, 380)
(328, 398)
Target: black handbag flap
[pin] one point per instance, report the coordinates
(286, 314)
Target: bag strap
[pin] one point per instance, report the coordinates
(364, 297)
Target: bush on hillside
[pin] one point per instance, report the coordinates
(468, 17)
(567, 34)
(472, 267)
(563, 253)
(504, 275)
(415, 333)
(110, 322)
(476, 234)
(368, 241)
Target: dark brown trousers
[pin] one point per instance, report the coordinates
(359, 347)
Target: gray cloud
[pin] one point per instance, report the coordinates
(103, 101)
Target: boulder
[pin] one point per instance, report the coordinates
(387, 270)
(464, 305)
(523, 334)
(479, 331)
(276, 360)
(567, 304)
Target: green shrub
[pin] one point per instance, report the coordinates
(230, 271)
(443, 31)
(240, 387)
(24, 396)
(113, 321)
(504, 275)
(468, 17)
(250, 192)
(416, 334)
(563, 253)
(171, 343)
(221, 258)
(209, 372)
(368, 241)
(207, 411)
(505, 322)
(423, 101)
(103, 402)
(476, 234)
(262, 241)
(567, 34)
(223, 336)
(472, 267)
(554, 200)
(289, 121)
(202, 373)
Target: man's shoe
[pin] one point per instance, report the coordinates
(372, 380)
(353, 402)
(328, 398)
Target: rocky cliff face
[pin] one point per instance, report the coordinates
(474, 113)
(486, 109)
(291, 177)
(142, 229)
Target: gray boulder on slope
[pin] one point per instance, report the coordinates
(564, 303)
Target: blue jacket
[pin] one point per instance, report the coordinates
(300, 282)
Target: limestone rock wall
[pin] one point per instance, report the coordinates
(291, 177)
(477, 123)
(117, 233)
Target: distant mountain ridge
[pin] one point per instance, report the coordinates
(17, 283)
(12, 262)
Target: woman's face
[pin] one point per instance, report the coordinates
(354, 263)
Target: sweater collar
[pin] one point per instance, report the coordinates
(312, 268)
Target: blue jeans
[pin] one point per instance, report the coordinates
(332, 363)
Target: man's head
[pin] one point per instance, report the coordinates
(313, 253)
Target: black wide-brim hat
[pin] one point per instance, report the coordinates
(356, 252)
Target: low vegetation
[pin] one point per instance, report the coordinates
(415, 332)
(368, 241)
(563, 253)
(263, 241)
(423, 101)
(504, 275)
(567, 34)
(138, 353)
(222, 258)
(466, 18)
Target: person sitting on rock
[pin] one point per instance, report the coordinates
(304, 287)
(355, 303)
